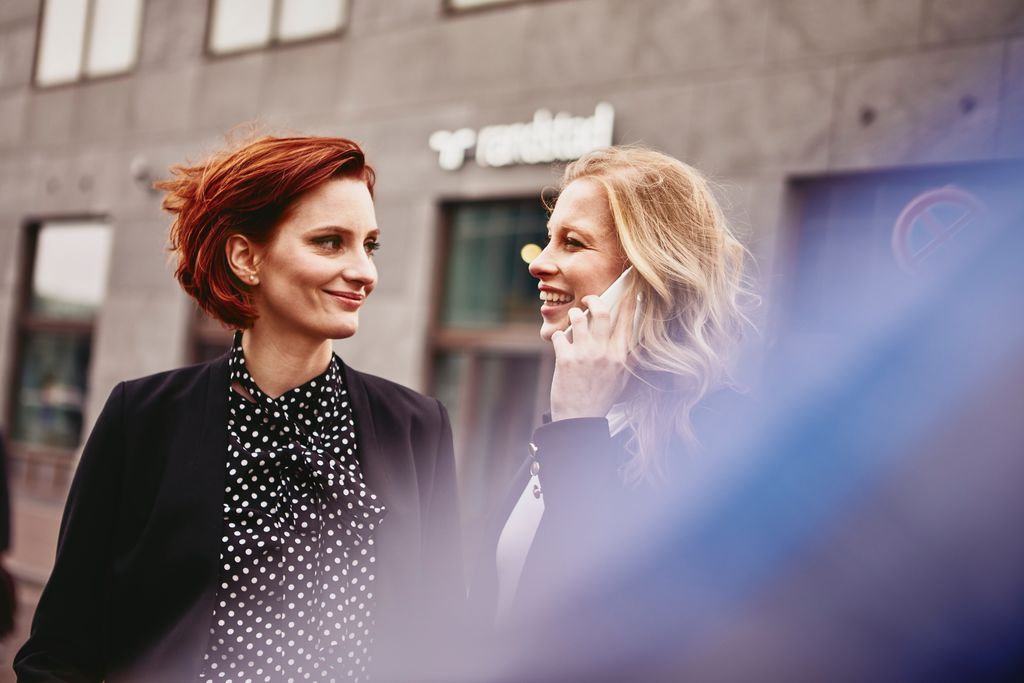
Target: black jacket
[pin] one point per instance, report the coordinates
(571, 610)
(132, 591)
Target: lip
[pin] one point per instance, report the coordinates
(350, 300)
(547, 309)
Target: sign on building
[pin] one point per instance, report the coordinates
(546, 138)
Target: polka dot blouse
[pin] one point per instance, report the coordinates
(296, 592)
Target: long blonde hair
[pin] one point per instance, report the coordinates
(689, 276)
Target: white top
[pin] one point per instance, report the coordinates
(521, 527)
(514, 544)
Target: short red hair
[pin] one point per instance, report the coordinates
(245, 191)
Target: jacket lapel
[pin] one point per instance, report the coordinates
(376, 469)
(386, 438)
(204, 474)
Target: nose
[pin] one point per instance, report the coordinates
(361, 271)
(543, 266)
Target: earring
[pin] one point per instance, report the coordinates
(252, 277)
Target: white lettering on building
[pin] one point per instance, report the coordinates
(546, 138)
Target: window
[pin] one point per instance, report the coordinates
(65, 287)
(239, 25)
(865, 241)
(488, 364)
(487, 283)
(81, 39)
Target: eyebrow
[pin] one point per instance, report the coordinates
(341, 228)
(574, 228)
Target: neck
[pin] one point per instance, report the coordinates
(280, 362)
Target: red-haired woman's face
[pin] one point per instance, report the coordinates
(317, 270)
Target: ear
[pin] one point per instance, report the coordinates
(243, 258)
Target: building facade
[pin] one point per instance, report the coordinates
(793, 107)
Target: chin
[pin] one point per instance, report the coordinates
(547, 330)
(342, 330)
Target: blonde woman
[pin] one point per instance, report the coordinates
(634, 383)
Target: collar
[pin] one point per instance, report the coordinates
(312, 395)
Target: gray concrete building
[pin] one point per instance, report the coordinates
(781, 102)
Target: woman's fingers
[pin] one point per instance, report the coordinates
(625, 320)
(589, 369)
(580, 324)
(560, 342)
(599, 323)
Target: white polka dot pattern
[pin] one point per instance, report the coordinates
(295, 599)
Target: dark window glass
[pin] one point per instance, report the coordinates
(67, 285)
(52, 386)
(450, 373)
(489, 364)
(492, 400)
(871, 240)
(487, 283)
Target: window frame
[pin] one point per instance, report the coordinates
(508, 340)
(274, 43)
(449, 8)
(83, 76)
(513, 338)
(790, 317)
(25, 459)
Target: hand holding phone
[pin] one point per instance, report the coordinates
(590, 375)
(611, 297)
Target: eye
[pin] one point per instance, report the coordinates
(329, 242)
(573, 243)
(371, 246)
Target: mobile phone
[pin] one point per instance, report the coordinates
(611, 297)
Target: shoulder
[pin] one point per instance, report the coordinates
(721, 410)
(380, 387)
(718, 421)
(185, 384)
(384, 394)
(167, 378)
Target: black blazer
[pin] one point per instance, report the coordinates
(132, 591)
(571, 611)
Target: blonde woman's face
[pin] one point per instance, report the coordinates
(583, 255)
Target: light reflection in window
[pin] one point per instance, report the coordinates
(239, 25)
(68, 284)
(81, 39)
(69, 277)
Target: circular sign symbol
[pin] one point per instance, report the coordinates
(930, 221)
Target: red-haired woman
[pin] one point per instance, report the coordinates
(274, 514)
